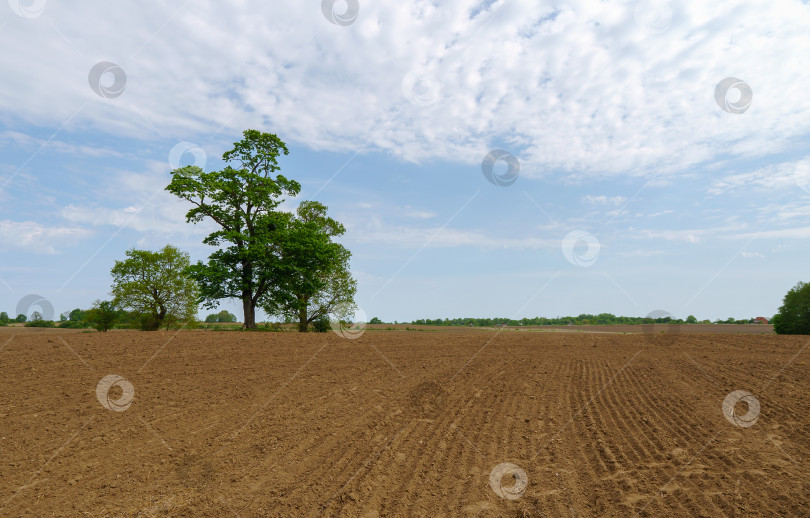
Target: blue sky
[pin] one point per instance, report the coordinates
(640, 188)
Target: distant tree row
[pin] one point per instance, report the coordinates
(580, 320)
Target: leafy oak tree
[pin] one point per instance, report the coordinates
(794, 314)
(155, 285)
(310, 272)
(242, 200)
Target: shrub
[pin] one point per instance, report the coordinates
(40, 323)
(321, 325)
(70, 324)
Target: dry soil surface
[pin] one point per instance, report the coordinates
(399, 423)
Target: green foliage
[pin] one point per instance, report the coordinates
(38, 322)
(691, 319)
(310, 272)
(583, 319)
(375, 320)
(21, 318)
(3, 318)
(103, 315)
(794, 314)
(321, 324)
(223, 317)
(242, 200)
(77, 315)
(155, 286)
(70, 324)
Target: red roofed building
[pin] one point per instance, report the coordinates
(760, 320)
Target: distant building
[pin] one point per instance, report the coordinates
(760, 320)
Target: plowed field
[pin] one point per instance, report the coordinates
(401, 423)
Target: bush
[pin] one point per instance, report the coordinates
(40, 323)
(375, 320)
(321, 325)
(794, 315)
(70, 324)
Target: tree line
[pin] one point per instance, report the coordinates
(793, 317)
(583, 319)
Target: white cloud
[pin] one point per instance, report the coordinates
(752, 255)
(443, 237)
(786, 175)
(578, 89)
(615, 201)
(36, 238)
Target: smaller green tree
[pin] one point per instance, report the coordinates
(211, 319)
(36, 316)
(310, 271)
(3, 318)
(156, 286)
(225, 317)
(77, 315)
(103, 315)
(21, 318)
(794, 314)
(691, 319)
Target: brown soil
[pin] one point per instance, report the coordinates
(402, 424)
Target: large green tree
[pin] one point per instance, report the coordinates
(242, 200)
(794, 314)
(310, 271)
(156, 285)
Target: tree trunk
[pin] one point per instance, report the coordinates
(302, 320)
(249, 310)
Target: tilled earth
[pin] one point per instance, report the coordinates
(399, 423)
